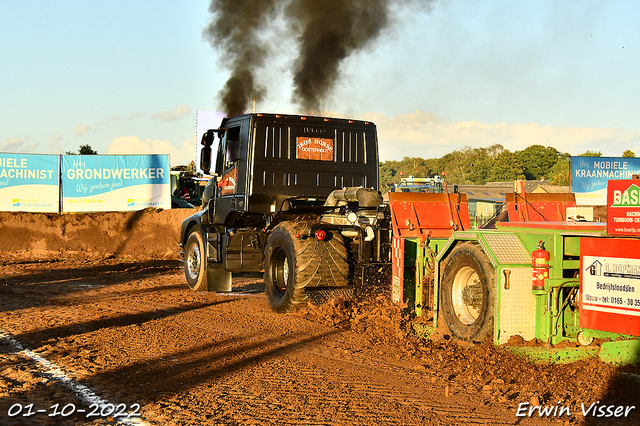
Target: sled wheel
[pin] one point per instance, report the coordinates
(468, 293)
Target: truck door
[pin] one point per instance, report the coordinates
(231, 167)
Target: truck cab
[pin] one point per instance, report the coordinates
(264, 160)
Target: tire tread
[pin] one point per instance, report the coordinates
(317, 264)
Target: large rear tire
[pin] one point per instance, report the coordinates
(195, 262)
(294, 263)
(468, 294)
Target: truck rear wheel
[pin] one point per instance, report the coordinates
(468, 293)
(293, 263)
(195, 262)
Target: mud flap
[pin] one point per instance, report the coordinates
(218, 279)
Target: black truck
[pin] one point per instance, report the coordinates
(296, 197)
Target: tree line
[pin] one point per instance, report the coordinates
(477, 166)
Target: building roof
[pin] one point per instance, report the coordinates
(495, 191)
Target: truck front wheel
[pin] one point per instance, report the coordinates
(468, 292)
(195, 262)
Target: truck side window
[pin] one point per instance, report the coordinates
(232, 150)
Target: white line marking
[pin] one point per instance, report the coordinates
(54, 372)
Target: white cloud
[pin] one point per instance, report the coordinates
(172, 115)
(427, 135)
(82, 129)
(16, 145)
(134, 116)
(55, 145)
(183, 154)
(114, 118)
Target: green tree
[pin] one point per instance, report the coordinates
(506, 166)
(628, 154)
(563, 177)
(469, 165)
(590, 153)
(87, 150)
(455, 165)
(560, 173)
(83, 150)
(481, 169)
(538, 160)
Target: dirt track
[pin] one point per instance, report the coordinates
(103, 298)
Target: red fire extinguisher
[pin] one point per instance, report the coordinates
(540, 263)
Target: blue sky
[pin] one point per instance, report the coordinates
(128, 77)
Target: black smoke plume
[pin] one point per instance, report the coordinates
(330, 30)
(234, 32)
(327, 32)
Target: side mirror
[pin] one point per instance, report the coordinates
(207, 138)
(205, 153)
(205, 159)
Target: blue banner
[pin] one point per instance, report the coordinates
(115, 182)
(29, 182)
(589, 176)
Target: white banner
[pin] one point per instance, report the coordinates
(611, 284)
(115, 182)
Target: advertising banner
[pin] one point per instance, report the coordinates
(623, 208)
(610, 285)
(115, 182)
(589, 177)
(29, 183)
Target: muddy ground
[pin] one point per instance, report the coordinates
(101, 299)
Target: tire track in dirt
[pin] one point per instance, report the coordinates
(400, 385)
(354, 398)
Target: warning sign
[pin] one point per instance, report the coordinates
(319, 149)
